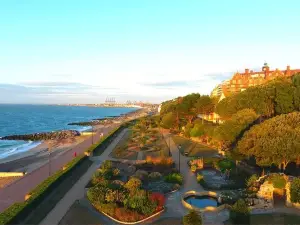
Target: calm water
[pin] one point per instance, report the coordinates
(24, 119)
(201, 201)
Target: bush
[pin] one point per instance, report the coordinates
(116, 172)
(225, 164)
(133, 184)
(174, 178)
(159, 199)
(127, 215)
(277, 180)
(251, 180)
(295, 190)
(155, 176)
(240, 213)
(200, 177)
(193, 168)
(192, 218)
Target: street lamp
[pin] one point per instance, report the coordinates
(179, 147)
(49, 159)
(92, 134)
(169, 145)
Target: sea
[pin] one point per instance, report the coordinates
(27, 119)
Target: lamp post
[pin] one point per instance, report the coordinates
(49, 159)
(179, 147)
(92, 134)
(169, 145)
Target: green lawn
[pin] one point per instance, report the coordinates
(193, 148)
(272, 219)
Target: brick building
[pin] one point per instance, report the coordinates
(241, 81)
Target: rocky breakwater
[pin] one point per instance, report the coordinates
(55, 135)
(93, 122)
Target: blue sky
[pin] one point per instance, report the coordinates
(68, 51)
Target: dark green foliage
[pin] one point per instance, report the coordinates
(174, 178)
(274, 98)
(230, 130)
(295, 190)
(275, 141)
(277, 180)
(197, 131)
(168, 120)
(192, 218)
(240, 213)
(251, 180)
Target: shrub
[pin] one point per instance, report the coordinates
(174, 178)
(155, 176)
(193, 168)
(277, 180)
(295, 190)
(133, 184)
(192, 218)
(148, 207)
(165, 161)
(240, 213)
(200, 177)
(116, 172)
(108, 208)
(251, 180)
(127, 215)
(97, 194)
(159, 199)
(225, 164)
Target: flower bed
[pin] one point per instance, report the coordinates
(123, 201)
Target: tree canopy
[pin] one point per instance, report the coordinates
(274, 98)
(275, 141)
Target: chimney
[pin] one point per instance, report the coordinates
(251, 71)
(246, 71)
(288, 68)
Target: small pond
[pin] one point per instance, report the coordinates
(201, 201)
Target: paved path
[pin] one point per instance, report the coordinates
(173, 202)
(78, 190)
(16, 191)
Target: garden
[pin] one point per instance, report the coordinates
(191, 148)
(141, 140)
(218, 173)
(131, 193)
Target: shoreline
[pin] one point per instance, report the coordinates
(33, 158)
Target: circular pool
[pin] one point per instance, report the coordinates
(201, 201)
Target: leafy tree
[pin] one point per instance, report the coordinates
(230, 130)
(295, 190)
(188, 129)
(275, 141)
(192, 218)
(284, 93)
(197, 131)
(240, 213)
(168, 120)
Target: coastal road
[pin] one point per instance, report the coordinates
(16, 191)
(78, 190)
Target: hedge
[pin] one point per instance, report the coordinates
(17, 212)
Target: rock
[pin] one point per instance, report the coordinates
(56, 135)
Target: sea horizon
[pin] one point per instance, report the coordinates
(36, 118)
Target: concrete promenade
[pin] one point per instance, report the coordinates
(78, 190)
(16, 191)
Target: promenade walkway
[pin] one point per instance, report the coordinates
(173, 202)
(78, 190)
(16, 191)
